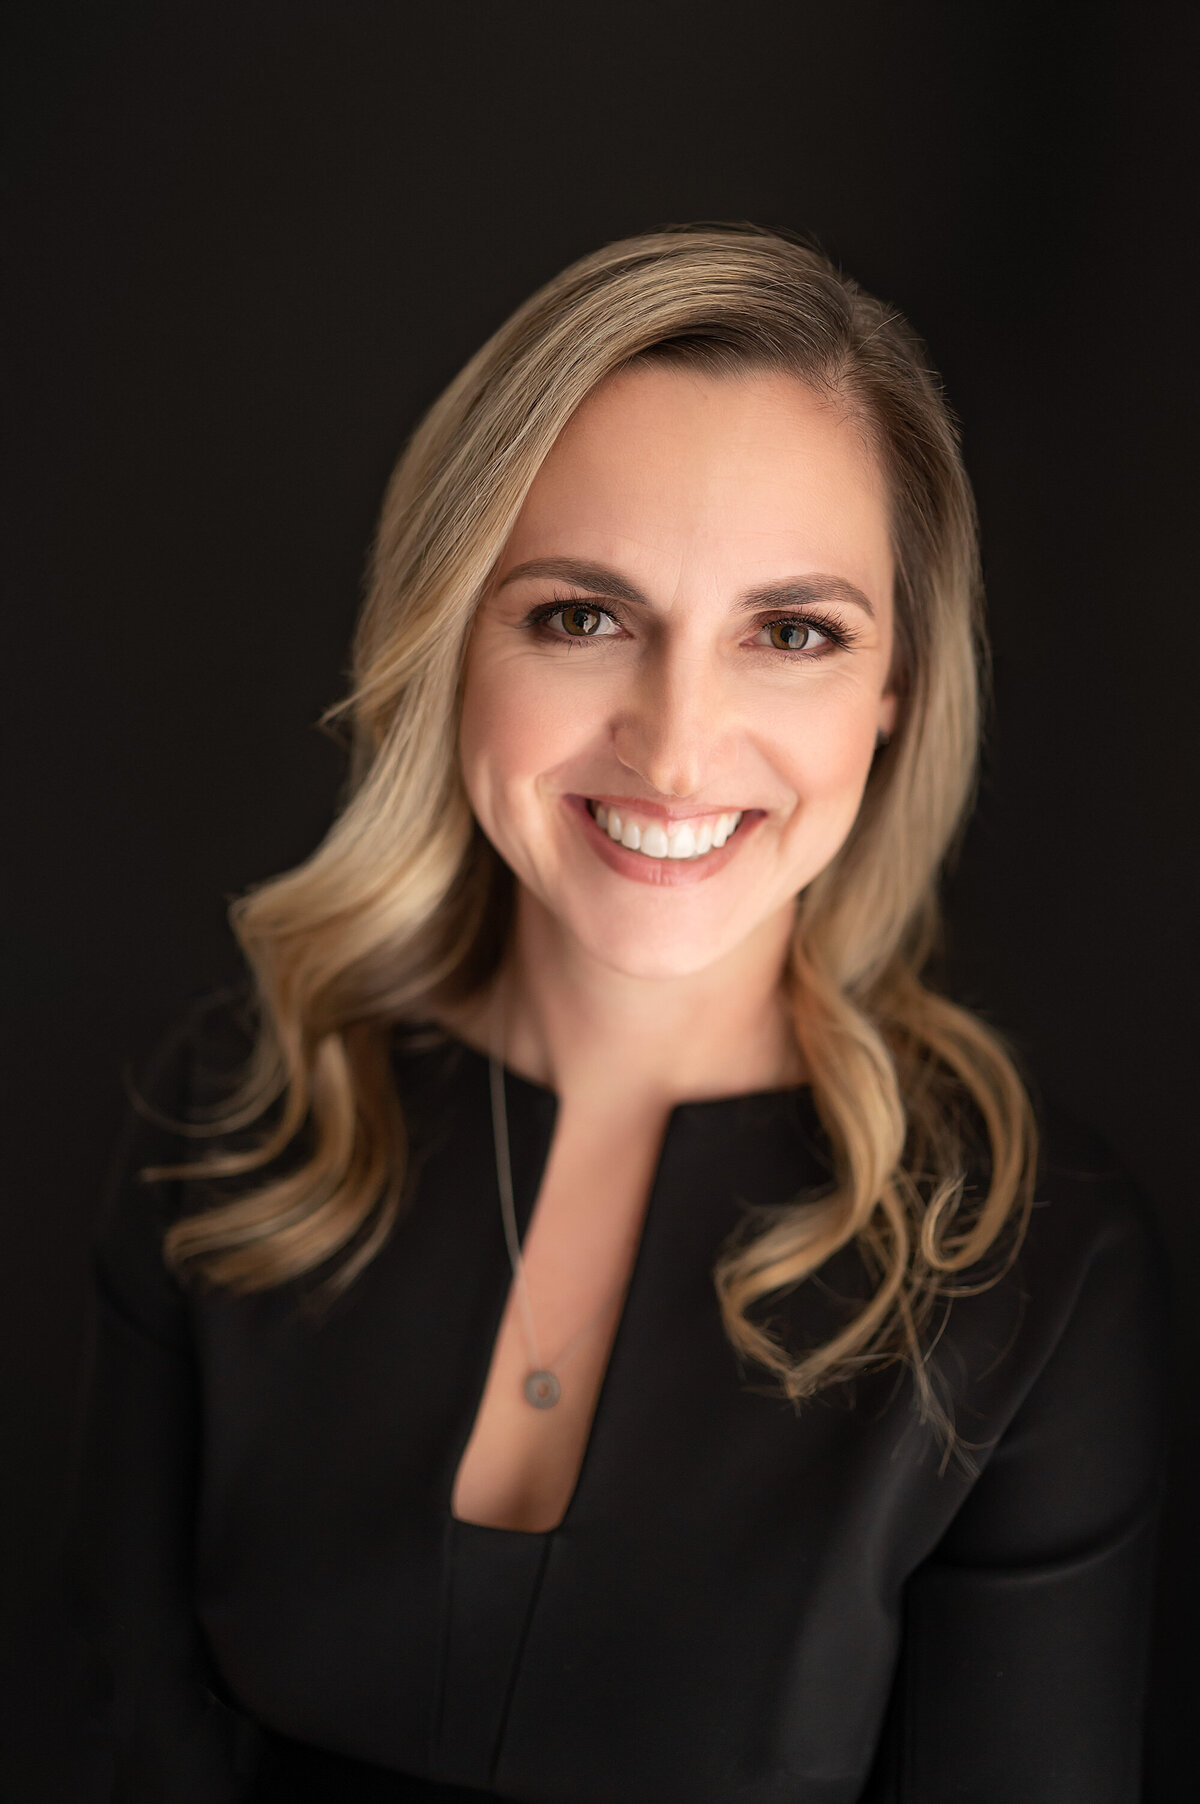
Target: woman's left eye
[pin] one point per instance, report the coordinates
(796, 635)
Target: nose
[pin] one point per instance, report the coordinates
(671, 727)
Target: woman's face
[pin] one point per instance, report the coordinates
(690, 627)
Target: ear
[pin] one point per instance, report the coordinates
(889, 707)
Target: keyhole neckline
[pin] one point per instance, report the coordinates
(699, 1114)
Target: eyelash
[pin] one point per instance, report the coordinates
(836, 632)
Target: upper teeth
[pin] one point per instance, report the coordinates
(673, 839)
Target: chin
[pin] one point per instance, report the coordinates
(656, 950)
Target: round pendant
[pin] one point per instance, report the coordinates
(542, 1389)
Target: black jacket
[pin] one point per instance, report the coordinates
(745, 1603)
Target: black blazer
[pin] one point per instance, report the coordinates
(745, 1602)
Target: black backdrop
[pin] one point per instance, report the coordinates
(249, 243)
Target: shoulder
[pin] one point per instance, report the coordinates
(1062, 1367)
(1074, 1334)
(171, 1091)
(1087, 1207)
(201, 1050)
(1091, 1224)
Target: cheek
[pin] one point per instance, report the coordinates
(825, 755)
(516, 727)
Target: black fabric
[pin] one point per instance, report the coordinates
(294, 1772)
(744, 1602)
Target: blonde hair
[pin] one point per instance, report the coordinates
(405, 903)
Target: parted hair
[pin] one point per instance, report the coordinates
(404, 905)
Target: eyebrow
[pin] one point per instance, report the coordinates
(792, 591)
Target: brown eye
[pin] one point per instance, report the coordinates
(790, 635)
(581, 621)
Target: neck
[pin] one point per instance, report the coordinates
(588, 1031)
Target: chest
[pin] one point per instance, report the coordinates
(552, 1350)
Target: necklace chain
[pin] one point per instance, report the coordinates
(541, 1388)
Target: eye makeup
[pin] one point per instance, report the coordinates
(837, 634)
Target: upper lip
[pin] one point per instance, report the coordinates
(664, 813)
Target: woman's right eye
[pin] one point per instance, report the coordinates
(580, 620)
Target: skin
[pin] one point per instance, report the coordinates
(626, 995)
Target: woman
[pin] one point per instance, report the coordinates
(623, 1344)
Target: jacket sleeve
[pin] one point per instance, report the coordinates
(169, 1737)
(1022, 1678)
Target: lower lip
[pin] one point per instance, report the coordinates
(665, 872)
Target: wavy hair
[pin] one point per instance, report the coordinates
(405, 903)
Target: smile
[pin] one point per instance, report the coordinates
(668, 854)
(687, 839)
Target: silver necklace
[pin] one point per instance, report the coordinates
(542, 1387)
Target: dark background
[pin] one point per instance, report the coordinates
(248, 244)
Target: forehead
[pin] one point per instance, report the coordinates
(666, 470)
